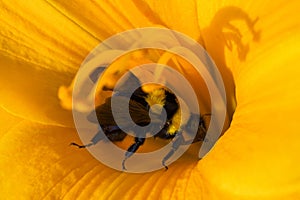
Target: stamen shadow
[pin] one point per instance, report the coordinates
(223, 33)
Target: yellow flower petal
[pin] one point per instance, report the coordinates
(7, 121)
(258, 156)
(105, 18)
(38, 159)
(32, 94)
(36, 53)
(40, 35)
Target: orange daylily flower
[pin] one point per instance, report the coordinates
(254, 44)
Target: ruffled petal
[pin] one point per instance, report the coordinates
(257, 157)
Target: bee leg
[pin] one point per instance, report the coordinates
(176, 144)
(132, 149)
(94, 140)
(81, 146)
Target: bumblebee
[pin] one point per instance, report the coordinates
(139, 106)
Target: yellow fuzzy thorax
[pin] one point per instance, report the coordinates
(158, 96)
(175, 125)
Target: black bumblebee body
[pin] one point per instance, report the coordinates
(139, 106)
